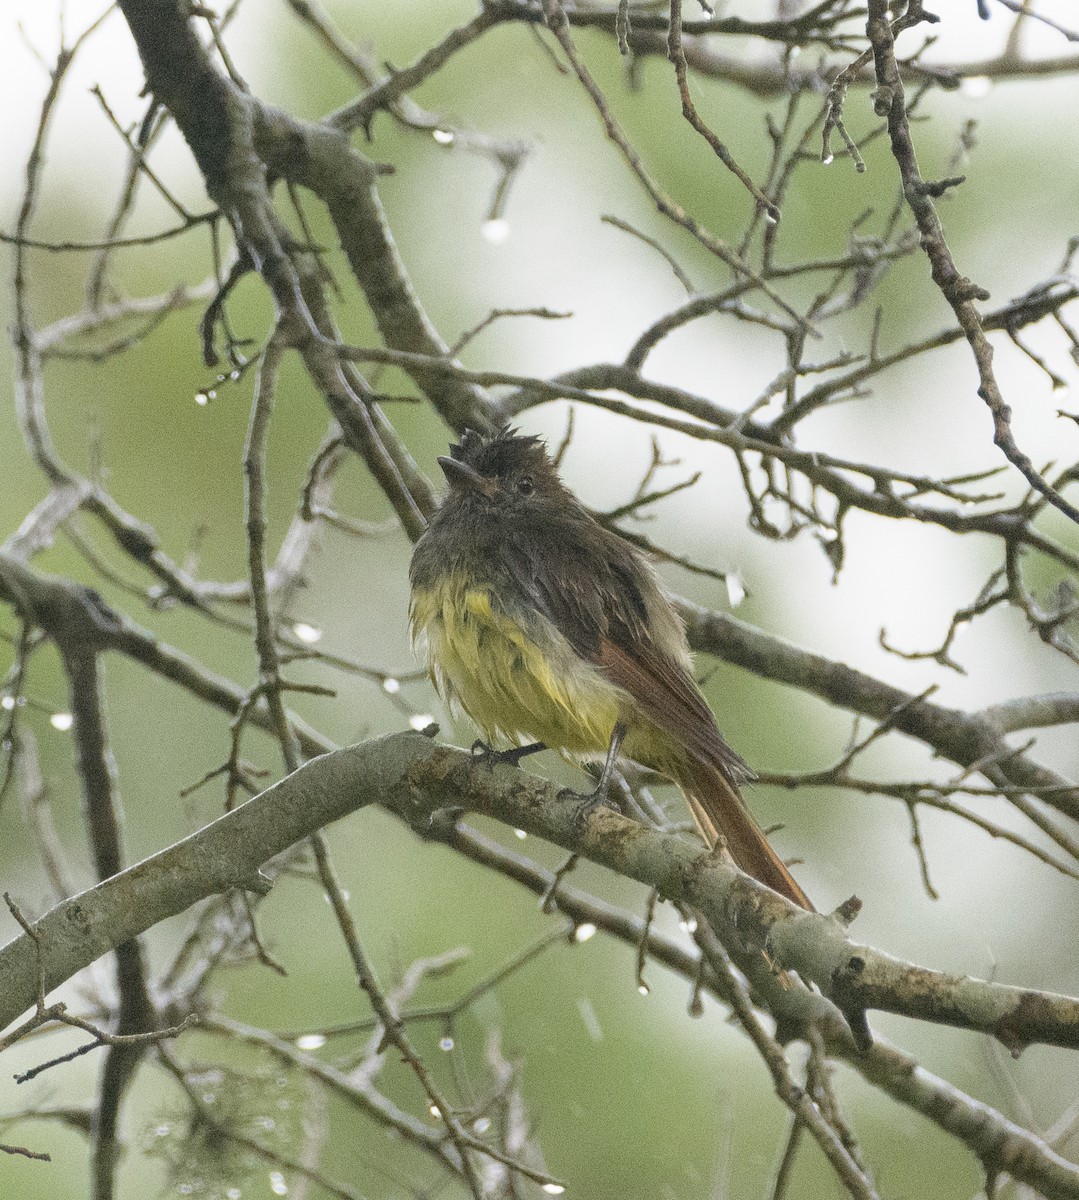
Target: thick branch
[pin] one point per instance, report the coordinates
(412, 775)
(51, 602)
(964, 738)
(999, 1144)
(237, 142)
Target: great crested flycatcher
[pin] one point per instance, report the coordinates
(546, 627)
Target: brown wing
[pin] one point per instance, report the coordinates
(712, 771)
(671, 700)
(601, 602)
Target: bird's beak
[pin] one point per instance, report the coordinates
(465, 478)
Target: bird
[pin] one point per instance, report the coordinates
(551, 631)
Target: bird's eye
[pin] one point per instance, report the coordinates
(525, 485)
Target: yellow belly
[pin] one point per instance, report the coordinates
(521, 687)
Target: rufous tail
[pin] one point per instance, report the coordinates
(720, 811)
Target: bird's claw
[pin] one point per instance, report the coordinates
(483, 753)
(587, 803)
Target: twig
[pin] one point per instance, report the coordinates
(557, 22)
(956, 289)
(689, 110)
(850, 1173)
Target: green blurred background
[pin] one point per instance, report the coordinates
(629, 1096)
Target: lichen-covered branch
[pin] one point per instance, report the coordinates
(410, 774)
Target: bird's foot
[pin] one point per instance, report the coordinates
(588, 802)
(482, 753)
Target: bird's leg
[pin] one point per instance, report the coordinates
(490, 757)
(590, 801)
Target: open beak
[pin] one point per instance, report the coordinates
(465, 478)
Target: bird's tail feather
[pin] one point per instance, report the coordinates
(720, 811)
